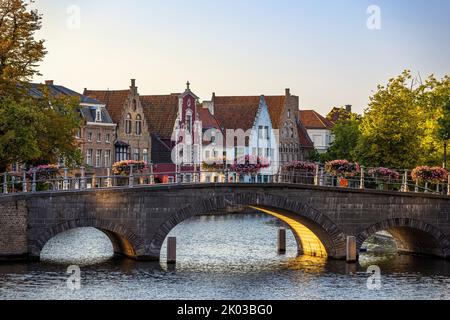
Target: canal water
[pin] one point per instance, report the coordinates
(219, 257)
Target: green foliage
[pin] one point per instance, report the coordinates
(32, 130)
(399, 129)
(314, 156)
(35, 132)
(20, 52)
(346, 134)
(443, 131)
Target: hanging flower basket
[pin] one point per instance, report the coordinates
(300, 166)
(384, 174)
(249, 165)
(123, 168)
(342, 168)
(433, 175)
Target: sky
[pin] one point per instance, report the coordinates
(328, 52)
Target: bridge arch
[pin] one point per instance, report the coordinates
(411, 236)
(291, 212)
(123, 240)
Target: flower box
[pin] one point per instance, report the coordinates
(342, 168)
(427, 174)
(249, 165)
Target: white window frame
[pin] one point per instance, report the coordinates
(89, 154)
(98, 158)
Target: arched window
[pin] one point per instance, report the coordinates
(189, 121)
(138, 125)
(128, 124)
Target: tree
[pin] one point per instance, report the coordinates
(433, 96)
(45, 134)
(20, 52)
(400, 128)
(346, 134)
(391, 129)
(33, 130)
(444, 130)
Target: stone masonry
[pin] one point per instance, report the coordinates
(138, 220)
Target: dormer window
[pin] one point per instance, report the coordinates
(98, 115)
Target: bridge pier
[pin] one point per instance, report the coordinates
(282, 241)
(352, 254)
(172, 250)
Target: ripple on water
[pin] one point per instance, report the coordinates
(81, 246)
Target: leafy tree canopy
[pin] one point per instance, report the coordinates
(32, 130)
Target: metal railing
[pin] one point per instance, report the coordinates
(26, 182)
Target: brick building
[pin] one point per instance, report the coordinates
(167, 116)
(294, 142)
(97, 134)
(133, 140)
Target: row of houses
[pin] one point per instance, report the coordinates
(125, 125)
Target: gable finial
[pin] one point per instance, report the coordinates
(188, 84)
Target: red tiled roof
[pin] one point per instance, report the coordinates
(303, 136)
(114, 101)
(161, 113)
(276, 108)
(312, 120)
(236, 112)
(207, 119)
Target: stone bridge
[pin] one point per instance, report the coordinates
(138, 220)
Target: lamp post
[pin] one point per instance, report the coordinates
(445, 153)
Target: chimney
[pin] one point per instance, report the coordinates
(348, 108)
(211, 106)
(288, 92)
(49, 82)
(133, 86)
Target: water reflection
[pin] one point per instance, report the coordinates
(81, 246)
